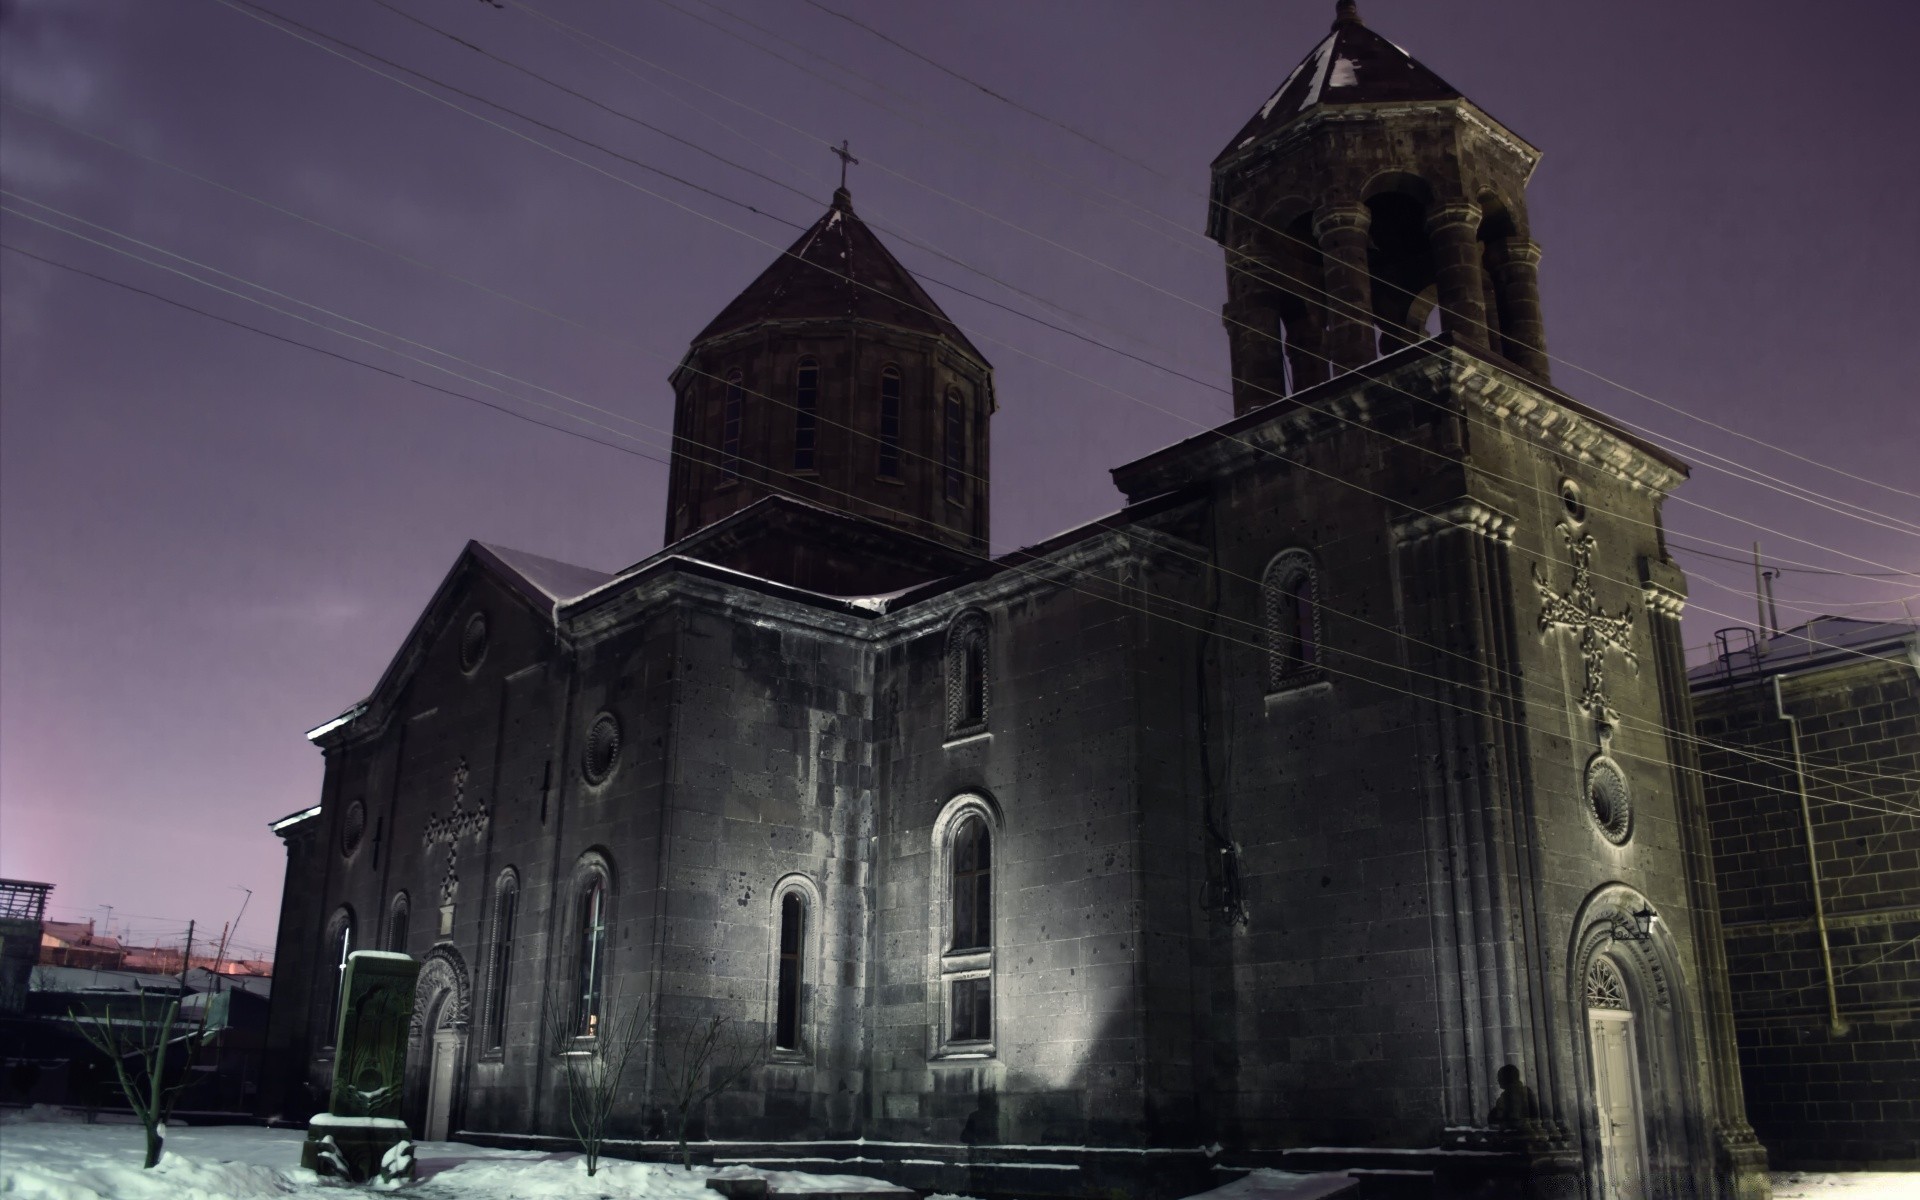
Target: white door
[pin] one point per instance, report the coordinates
(440, 1086)
(1616, 1086)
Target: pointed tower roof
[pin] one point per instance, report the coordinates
(1351, 65)
(838, 269)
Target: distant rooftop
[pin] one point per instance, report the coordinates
(1821, 642)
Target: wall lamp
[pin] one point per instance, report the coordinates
(1639, 930)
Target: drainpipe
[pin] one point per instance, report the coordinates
(1834, 1022)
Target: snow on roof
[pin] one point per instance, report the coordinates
(555, 580)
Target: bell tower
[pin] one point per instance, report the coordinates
(834, 379)
(1365, 205)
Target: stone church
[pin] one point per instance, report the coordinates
(1324, 795)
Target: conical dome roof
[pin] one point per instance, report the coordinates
(1352, 65)
(838, 269)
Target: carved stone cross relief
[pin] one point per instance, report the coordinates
(447, 831)
(1576, 609)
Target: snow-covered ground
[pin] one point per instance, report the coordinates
(66, 1160)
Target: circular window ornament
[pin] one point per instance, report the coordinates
(1573, 501)
(1608, 800)
(603, 748)
(473, 641)
(353, 827)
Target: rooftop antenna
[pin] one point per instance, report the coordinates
(1759, 600)
(1773, 613)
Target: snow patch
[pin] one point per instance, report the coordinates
(1343, 73)
(1323, 59)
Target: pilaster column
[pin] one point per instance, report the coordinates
(1342, 233)
(1518, 277)
(1453, 233)
(1257, 349)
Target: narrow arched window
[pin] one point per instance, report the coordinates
(806, 404)
(1290, 604)
(793, 931)
(590, 964)
(890, 422)
(506, 905)
(399, 917)
(731, 415)
(970, 1002)
(956, 447)
(339, 946)
(967, 675)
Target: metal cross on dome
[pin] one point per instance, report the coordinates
(846, 157)
(1577, 609)
(447, 830)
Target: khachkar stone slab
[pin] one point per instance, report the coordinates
(361, 1135)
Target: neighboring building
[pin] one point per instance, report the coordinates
(1817, 852)
(1306, 801)
(23, 906)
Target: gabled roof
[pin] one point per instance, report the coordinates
(542, 579)
(838, 269)
(1352, 65)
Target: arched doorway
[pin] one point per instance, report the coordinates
(437, 1044)
(1613, 1045)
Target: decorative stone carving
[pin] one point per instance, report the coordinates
(473, 642)
(447, 831)
(355, 1138)
(1577, 609)
(1604, 986)
(1609, 800)
(353, 827)
(443, 970)
(602, 752)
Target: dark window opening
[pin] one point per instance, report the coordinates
(1292, 618)
(890, 423)
(505, 909)
(397, 923)
(972, 886)
(731, 415)
(806, 402)
(956, 462)
(342, 946)
(967, 676)
(591, 965)
(793, 922)
(972, 1010)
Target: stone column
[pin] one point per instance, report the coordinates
(1518, 277)
(1258, 350)
(1342, 232)
(1452, 231)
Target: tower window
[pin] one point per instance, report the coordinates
(730, 420)
(340, 944)
(890, 423)
(806, 401)
(1291, 616)
(956, 452)
(793, 924)
(399, 917)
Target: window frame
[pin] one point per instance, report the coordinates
(400, 920)
(807, 892)
(954, 456)
(887, 466)
(733, 420)
(1292, 631)
(968, 675)
(339, 934)
(594, 871)
(948, 965)
(806, 415)
(502, 925)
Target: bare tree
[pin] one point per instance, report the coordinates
(707, 1059)
(592, 1066)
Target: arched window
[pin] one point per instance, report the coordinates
(967, 675)
(793, 937)
(1290, 604)
(339, 945)
(806, 404)
(972, 886)
(590, 956)
(956, 447)
(964, 841)
(889, 422)
(731, 414)
(399, 917)
(506, 905)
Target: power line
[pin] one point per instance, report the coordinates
(1022, 569)
(1215, 202)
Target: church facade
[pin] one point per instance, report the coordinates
(1327, 794)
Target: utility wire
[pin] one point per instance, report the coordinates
(1215, 202)
(1007, 564)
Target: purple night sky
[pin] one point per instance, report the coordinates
(211, 541)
